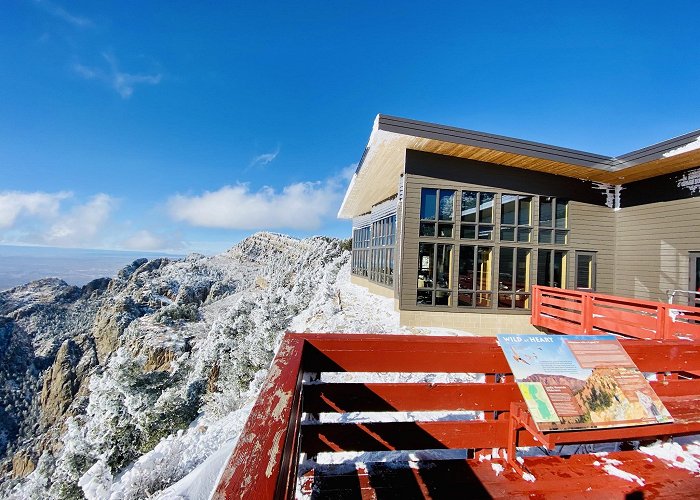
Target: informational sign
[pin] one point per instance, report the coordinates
(572, 382)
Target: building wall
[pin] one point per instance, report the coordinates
(372, 287)
(652, 244)
(474, 322)
(593, 228)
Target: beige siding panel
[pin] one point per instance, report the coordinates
(652, 244)
(592, 228)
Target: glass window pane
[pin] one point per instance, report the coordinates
(425, 297)
(425, 265)
(468, 232)
(505, 300)
(560, 237)
(524, 235)
(522, 301)
(483, 268)
(544, 268)
(559, 275)
(545, 235)
(508, 234)
(584, 271)
(447, 203)
(443, 266)
(483, 300)
(466, 267)
(562, 211)
(428, 199)
(485, 232)
(545, 211)
(505, 269)
(443, 298)
(525, 211)
(522, 270)
(445, 230)
(508, 208)
(427, 229)
(468, 206)
(486, 207)
(465, 299)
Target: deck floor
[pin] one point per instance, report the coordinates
(576, 476)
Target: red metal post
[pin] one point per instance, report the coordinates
(587, 313)
(262, 466)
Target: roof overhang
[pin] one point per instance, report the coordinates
(377, 175)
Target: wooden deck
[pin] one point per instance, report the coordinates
(265, 463)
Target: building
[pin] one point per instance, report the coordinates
(457, 225)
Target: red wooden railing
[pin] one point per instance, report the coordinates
(581, 313)
(265, 462)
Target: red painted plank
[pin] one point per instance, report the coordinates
(558, 325)
(384, 436)
(319, 398)
(577, 477)
(264, 460)
(411, 354)
(572, 316)
(562, 303)
(623, 328)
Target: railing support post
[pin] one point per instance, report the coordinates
(663, 330)
(587, 313)
(536, 301)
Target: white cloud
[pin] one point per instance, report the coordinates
(300, 206)
(122, 82)
(82, 224)
(61, 13)
(148, 241)
(14, 204)
(264, 159)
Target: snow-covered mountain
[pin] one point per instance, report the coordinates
(124, 386)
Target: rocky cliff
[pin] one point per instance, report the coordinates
(92, 378)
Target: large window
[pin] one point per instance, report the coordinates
(373, 250)
(551, 268)
(516, 218)
(514, 278)
(382, 250)
(360, 251)
(490, 243)
(477, 215)
(554, 220)
(434, 274)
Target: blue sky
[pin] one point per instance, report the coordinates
(184, 127)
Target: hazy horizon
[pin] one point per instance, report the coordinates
(76, 266)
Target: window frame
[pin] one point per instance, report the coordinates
(513, 294)
(475, 292)
(517, 227)
(478, 224)
(553, 229)
(593, 270)
(552, 261)
(434, 290)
